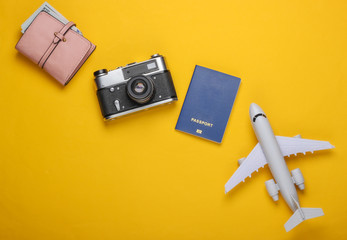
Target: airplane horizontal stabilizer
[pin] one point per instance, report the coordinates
(297, 217)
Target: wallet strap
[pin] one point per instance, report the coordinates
(58, 37)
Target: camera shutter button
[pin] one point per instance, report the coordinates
(117, 104)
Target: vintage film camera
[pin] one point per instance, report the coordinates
(135, 87)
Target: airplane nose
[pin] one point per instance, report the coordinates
(254, 109)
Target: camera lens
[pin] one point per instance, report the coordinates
(140, 89)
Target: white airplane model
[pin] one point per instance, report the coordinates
(271, 150)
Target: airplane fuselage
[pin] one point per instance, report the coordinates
(273, 155)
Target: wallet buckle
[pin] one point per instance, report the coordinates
(60, 36)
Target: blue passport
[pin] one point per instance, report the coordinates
(208, 103)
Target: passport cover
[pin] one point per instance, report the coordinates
(208, 103)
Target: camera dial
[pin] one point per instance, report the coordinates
(140, 89)
(100, 72)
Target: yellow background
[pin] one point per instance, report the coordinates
(66, 174)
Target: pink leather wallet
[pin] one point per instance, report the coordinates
(55, 47)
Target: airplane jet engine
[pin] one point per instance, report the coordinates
(298, 178)
(272, 189)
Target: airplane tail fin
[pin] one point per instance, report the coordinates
(300, 215)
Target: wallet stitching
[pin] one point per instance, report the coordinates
(24, 36)
(80, 36)
(73, 73)
(86, 52)
(89, 47)
(56, 44)
(54, 47)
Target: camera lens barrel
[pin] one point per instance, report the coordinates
(140, 89)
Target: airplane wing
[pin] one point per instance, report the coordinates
(292, 145)
(253, 162)
(256, 158)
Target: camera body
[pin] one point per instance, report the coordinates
(135, 87)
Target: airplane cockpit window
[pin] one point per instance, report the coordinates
(258, 115)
